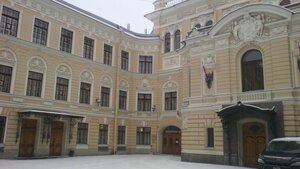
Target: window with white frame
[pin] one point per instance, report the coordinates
(40, 32)
(105, 96)
(88, 48)
(107, 59)
(123, 100)
(103, 134)
(5, 78)
(124, 60)
(34, 84)
(167, 42)
(144, 102)
(9, 21)
(210, 137)
(170, 101)
(121, 135)
(177, 40)
(62, 88)
(145, 64)
(2, 128)
(66, 40)
(143, 135)
(82, 133)
(85, 93)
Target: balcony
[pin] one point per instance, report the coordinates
(169, 3)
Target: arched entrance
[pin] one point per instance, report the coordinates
(254, 142)
(171, 140)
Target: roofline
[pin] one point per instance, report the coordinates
(104, 21)
(151, 14)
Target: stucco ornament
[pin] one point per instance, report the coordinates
(249, 28)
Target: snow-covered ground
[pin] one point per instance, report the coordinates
(110, 162)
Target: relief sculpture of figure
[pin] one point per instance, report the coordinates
(259, 23)
(235, 30)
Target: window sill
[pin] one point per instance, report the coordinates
(82, 146)
(148, 147)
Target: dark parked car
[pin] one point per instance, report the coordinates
(281, 153)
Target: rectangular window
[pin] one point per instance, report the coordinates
(145, 64)
(62, 86)
(124, 60)
(105, 93)
(9, 21)
(82, 133)
(103, 133)
(121, 134)
(107, 54)
(34, 84)
(40, 32)
(5, 78)
(171, 101)
(85, 93)
(2, 129)
(88, 51)
(122, 100)
(143, 135)
(66, 39)
(144, 102)
(210, 137)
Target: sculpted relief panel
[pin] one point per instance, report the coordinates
(248, 28)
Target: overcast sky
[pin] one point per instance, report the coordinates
(120, 12)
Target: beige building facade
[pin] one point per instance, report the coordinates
(214, 81)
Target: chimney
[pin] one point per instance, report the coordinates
(145, 31)
(128, 26)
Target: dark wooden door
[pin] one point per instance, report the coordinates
(27, 139)
(254, 138)
(172, 143)
(56, 139)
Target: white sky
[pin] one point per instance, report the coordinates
(120, 12)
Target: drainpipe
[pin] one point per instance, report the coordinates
(116, 87)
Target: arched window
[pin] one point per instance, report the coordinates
(252, 71)
(209, 23)
(177, 40)
(284, 2)
(167, 42)
(198, 26)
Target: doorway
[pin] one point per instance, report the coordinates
(56, 140)
(172, 140)
(27, 139)
(254, 142)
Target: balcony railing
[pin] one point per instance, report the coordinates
(173, 2)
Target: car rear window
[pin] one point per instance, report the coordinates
(284, 147)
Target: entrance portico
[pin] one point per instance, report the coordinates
(247, 128)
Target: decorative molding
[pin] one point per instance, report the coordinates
(106, 81)
(87, 76)
(37, 64)
(64, 71)
(170, 86)
(279, 30)
(7, 57)
(144, 86)
(171, 62)
(124, 85)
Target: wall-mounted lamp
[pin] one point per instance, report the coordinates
(98, 101)
(153, 108)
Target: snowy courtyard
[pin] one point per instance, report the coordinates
(110, 162)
